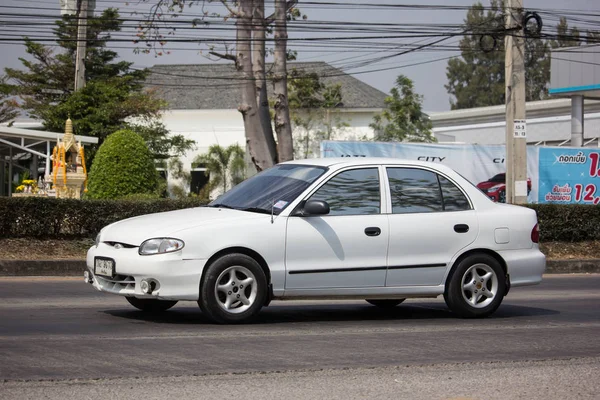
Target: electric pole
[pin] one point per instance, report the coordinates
(516, 125)
(82, 15)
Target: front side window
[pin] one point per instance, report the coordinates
(420, 191)
(354, 192)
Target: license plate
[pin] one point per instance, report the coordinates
(104, 267)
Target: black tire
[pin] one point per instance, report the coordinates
(502, 196)
(213, 301)
(151, 305)
(468, 292)
(385, 303)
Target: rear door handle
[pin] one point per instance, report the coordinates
(372, 231)
(461, 228)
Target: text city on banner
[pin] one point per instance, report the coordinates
(555, 174)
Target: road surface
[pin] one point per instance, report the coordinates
(59, 338)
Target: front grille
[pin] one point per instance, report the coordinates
(117, 283)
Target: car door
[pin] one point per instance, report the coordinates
(431, 220)
(346, 248)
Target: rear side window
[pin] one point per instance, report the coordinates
(454, 198)
(416, 190)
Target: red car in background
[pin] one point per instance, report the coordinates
(495, 187)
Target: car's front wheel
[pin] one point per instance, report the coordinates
(151, 305)
(385, 303)
(234, 289)
(476, 286)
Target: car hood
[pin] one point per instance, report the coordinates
(134, 231)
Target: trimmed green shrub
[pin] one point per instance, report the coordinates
(123, 166)
(51, 218)
(568, 222)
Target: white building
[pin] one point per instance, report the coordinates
(202, 102)
(548, 123)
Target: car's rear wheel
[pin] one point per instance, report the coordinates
(385, 303)
(502, 196)
(476, 287)
(151, 305)
(234, 289)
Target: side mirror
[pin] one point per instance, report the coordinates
(315, 207)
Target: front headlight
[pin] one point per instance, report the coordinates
(494, 188)
(160, 246)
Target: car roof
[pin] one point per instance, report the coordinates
(352, 161)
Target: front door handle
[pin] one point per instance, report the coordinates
(461, 228)
(372, 231)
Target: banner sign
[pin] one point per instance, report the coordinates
(569, 175)
(484, 166)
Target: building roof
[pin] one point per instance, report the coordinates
(534, 109)
(30, 134)
(218, 86)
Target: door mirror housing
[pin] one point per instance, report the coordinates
(315, 207)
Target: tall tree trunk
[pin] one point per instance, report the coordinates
(259, 149)
(258, 62)
(283, 127)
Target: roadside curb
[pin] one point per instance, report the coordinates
(42, 267)
(573, 266)
(76, 267)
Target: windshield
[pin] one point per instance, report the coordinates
(272, 189)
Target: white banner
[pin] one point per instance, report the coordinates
(480, 164)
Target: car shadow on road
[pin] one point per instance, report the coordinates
(280, 313)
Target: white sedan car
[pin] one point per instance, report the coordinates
(377, 229)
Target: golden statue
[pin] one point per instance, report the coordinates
(69, 174)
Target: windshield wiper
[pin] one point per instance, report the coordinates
(257, 210)
(221, 206)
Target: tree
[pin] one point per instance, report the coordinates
(477, 78)
(112, 97)
(8, 106)
(403, 118)
(314, 111)
(122, 167)
(251, 30)
(565, 36)
(223, 165)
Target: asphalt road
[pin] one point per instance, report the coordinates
(59, 338)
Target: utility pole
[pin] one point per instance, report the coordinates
(82, 15)
(516, 125)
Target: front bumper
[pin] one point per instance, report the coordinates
(525, 267)
(175, 278)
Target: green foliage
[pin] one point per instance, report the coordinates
(568, 222)
(403, 118)
(40, 217)
(123, 166)
(8, 106)
(113, 93)
(223, 165)
(180, 178)
(477, 78)
(314, 111)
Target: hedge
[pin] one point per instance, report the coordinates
(51, 218)
(568, 222)
(39, 217)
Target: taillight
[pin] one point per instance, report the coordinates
(535, 234)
